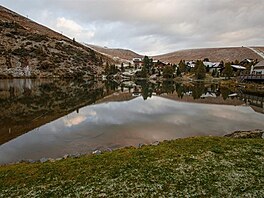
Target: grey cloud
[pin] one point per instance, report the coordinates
(152, 26)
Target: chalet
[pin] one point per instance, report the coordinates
(137, 62)
(259, 68)
(190, 64)
(159, 64)
(213, 66)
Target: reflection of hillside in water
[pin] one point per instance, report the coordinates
(26, 104)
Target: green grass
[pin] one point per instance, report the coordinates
(192, 167)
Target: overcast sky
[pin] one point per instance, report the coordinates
(150, 26)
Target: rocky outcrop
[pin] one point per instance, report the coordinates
(247, 134)
(28, 49)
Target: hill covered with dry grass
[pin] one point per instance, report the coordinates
(46, 52)
(116, 53)
(214, 54)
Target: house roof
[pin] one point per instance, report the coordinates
(238, 66)
(211, 64)
(137, 59)
(260, 64)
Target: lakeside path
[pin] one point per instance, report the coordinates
(198, 166)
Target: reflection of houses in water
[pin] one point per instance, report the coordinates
(208, 95)
(256, 102)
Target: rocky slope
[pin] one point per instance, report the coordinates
(214, 54)
(46, 52)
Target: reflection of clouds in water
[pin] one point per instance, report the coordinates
(176, 119)
(227, 112)
(117, 124)
(74, 121)
(133, 110)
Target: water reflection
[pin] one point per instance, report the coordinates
(60, 122)
(26, 104)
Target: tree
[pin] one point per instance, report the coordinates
(224, 92)
(228, 71)
(168, 86)
(147, 63)
(198, 90)
(178, 73)
(214, 73)
(142, 74)
(200, 70)
(168, 72)
(122, 67)
(182, 66)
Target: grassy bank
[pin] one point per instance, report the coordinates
(201, 166)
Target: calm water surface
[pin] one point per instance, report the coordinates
(75, 122)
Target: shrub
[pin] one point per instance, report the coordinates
(37, 37)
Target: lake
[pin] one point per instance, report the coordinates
(50, 118)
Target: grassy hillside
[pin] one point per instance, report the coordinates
(214, 54)
(48, 53)
(119, 54)
(192, 167)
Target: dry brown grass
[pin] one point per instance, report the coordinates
(120, 53)
(214, 54)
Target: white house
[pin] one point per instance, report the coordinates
(212, 66)
(259, 68)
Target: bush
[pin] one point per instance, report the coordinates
(46, 65)
(21, 52)
(37, 37)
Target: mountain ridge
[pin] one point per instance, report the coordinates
(227, 54)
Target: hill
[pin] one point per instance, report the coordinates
(214, 54)
(46, 52)
(122, 55)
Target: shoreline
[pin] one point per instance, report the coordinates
(195, 166)
(251, 134)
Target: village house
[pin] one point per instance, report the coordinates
(259, 68)
(138, 62)
(159, 64)
(213, 66)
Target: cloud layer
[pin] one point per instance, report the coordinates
(151, 26)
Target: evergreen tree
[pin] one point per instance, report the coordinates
(178, 73)
(168, 72)
(182, 66)
(147, 63)
(122, 67)
(198, 90)
(228, 71)
(214, 73)
(200, 70)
